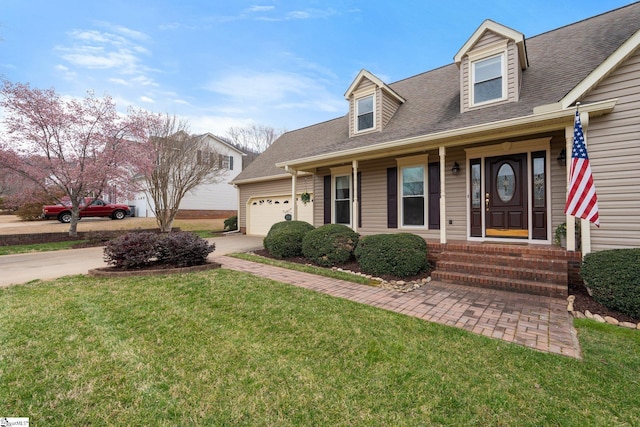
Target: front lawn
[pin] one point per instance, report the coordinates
(227, 348)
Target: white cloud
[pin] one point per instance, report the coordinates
(147, 100)
(282, 90)
(217, 125)
(254, 9)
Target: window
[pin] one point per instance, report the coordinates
(487, 79)
(413, 197)
(225, 162)
(364, 114)
(342, 200)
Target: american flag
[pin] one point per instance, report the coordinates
(582, 201)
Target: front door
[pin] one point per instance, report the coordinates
(506, 196)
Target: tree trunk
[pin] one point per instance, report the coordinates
(165, 219)
(73, 225)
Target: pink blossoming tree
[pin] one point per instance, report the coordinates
(73, 148)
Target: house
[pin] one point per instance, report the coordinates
(474, 153)
(214, 200)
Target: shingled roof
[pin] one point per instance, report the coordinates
(558, 61)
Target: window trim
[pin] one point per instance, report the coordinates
(495, 49)
(334, 177)
(408, 162)
(356, 114)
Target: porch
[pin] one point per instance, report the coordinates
(520, 267)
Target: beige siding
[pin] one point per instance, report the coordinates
(280, 187)
(389, 107)
(487, 38)
(558, 183)
(465, 81)
(456, 194)
(613, 142)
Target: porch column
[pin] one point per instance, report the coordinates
(443, 200)
(585, 226)
(354, 216)
(294, 192)
(570, 220)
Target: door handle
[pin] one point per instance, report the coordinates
(486, 202)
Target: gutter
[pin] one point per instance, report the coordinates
(547, 113)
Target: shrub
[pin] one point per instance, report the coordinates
(183, 249)
(614, 279)
(131, 250)
(330, 244)
(399, 255)
(30, 211)
(284, 239)
(231, 223)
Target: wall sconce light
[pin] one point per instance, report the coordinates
(562, 158)
(455, 169)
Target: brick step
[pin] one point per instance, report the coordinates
(526, 262)
(501, 283)
(507, 272)
(513, 250)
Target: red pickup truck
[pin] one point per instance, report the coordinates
(90, 207)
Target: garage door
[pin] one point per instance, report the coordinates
(263, 212)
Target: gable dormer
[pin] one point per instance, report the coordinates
(371, 104)
(491, 64)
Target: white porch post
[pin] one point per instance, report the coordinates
(294, 192)
(443, 200)
(585, 226)
(355, 196)
(570, 220)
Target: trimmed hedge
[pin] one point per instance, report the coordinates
(614, 279)
(330, 244)
(401, 254)
(284, 239)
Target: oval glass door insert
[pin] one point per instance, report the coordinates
(506, 182)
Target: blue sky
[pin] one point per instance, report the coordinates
(216, 63)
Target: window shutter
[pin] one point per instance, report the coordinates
(359, 199)
(392, 197)
(327, 199)
(230, 163)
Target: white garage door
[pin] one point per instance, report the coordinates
(263, 212)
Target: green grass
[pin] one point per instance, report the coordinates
(320, 271)
(57, 246)
(38, 247)
(227, 348)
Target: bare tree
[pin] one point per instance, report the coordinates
(255, 138)
(183, 162)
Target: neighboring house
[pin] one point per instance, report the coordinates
(217, 200)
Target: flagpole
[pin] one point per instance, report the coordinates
(570, 219)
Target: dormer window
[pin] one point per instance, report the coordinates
(488, 80)
(364, 114)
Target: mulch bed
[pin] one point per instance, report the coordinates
(582, 302)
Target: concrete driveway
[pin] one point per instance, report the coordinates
(22, 268)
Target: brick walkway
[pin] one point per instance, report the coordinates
(541, 323)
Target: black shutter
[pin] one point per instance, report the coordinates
(392, 197)
(359, 199)
(327, 199)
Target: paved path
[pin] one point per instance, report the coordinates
(541, 323)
